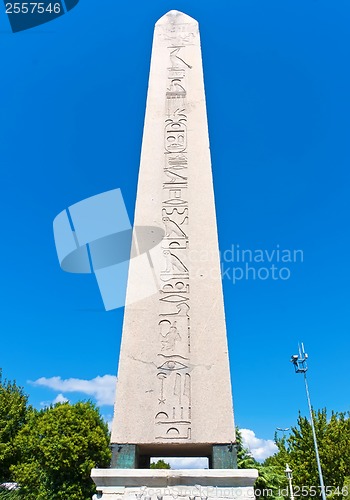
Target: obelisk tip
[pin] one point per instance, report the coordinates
(174, 17)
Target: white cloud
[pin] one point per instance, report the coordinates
(101, 388)
(260, 448)
(60, 399)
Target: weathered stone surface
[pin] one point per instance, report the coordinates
(173, 384)
(199, 484)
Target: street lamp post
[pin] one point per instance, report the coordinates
(280, 429)
(288, 473)
(300, 365)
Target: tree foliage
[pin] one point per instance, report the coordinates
(9, 495)
(58, 447)
(245, 459)
(270, 477)
(333, 437)
(160, 465)
(13, 414)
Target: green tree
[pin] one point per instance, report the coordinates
(160, 465)
(13, 414)
(245, 459)
(333, 438)
(58, 447)
(270, 480)
(346, 487)
(9, 495)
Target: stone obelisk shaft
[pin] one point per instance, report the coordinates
(173, 379)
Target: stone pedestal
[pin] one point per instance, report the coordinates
(163, 484)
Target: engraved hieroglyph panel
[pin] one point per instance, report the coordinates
(173, 422)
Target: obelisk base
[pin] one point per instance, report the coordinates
(131, 456)
(165, 484)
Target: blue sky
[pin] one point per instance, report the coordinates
(277, 83)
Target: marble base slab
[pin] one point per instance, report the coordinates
(167, 484)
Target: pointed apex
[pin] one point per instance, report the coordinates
(174, 17)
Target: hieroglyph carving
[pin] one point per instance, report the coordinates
(173, 403)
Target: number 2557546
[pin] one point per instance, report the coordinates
(32, 8)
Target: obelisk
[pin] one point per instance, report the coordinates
(173, 384)
(173, 394)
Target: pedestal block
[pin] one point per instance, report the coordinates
(163, 484)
